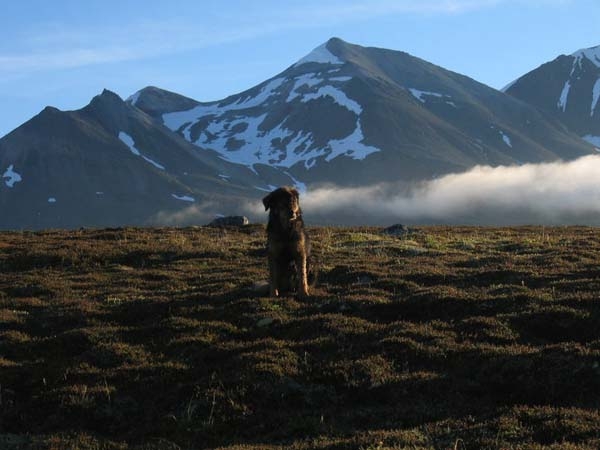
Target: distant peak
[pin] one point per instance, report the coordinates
(107, 100)
(50, 110)
(107, 97)
(336, 40)
(156, 101)
(110, 95)
(146, 91)
(592, 53)
(322, 54)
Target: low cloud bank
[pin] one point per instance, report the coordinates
(197, 214)
(551, 193)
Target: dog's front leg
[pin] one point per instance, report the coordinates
(303, 277)
(274, 277)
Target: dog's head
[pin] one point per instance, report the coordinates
(284, 204)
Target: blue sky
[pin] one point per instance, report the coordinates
(63, 52)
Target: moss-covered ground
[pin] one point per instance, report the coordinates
(440, 338)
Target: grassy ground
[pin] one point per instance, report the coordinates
(443, 338)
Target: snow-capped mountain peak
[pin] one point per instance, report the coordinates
(567, 87)
(324, 112)
(592, 54)
(345, 115)
(320, 55)
(278, 122)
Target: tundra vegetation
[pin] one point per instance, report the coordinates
(436, 338)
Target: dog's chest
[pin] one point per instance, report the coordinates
(285, 244)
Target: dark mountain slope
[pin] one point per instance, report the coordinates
(568, 89)
(106, 164)
(347, 114)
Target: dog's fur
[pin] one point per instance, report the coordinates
(288, 246)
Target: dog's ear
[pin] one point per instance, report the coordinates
(267, 201)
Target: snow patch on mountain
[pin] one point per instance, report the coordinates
(592, 54)
(278, 146)
(129, 142)
(564, 96)
(320, 55)
(595, 96)
(308, 79)
(154, 163)
(269, 188)
(267, 91)
(311, 80)
(176, 120)
(236, 130)
(351, 146)
(342, 79)
(506, 138)
(594, 140)
(337, 95)
(133, 99)
(11, 176)
(422, 96)
(184, 198)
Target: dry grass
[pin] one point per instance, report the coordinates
(445, 338)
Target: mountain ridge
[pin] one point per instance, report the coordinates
(568, 89)
(344, 78)
(106, 164)
(344, 114)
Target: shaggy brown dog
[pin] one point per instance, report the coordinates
(288, 246)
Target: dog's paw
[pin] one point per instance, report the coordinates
(303, 293)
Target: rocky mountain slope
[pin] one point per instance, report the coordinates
(351, 115)
(568, 89)
(107, 164)
(345, 115)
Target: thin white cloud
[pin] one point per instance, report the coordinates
(78, 48)
(54, 48)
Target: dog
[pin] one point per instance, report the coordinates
(288, 246)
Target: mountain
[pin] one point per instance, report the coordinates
(107, 164)
(568, 89)
(351, 115)
(344, 115)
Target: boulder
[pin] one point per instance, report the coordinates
(397, 230)
(229, 221)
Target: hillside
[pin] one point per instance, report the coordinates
(109, 164)
(442, 338)
(344, 115)
(354, 116)
(566, 88)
